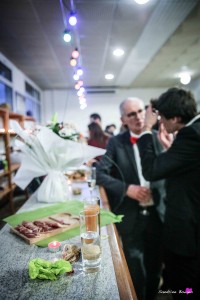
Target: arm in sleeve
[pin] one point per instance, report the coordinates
(181, 157)
(109, 174)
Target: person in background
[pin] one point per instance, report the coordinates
(110, 129)
(97, 137)
(180, 166)
(119, 172)
(96, 118)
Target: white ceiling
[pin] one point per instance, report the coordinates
(159, 39)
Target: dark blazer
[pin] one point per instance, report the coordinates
(180, 165)
(116, 170)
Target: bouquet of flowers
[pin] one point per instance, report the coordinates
(49, 151)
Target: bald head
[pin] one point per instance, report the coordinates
(130, 101)
(132, 114)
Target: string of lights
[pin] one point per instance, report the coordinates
(70, 34)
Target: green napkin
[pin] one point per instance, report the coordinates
(43, 269)
(73, 207)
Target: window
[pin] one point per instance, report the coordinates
(20, 104)
(32, 91)
(5, 72)
(6, 94)
(32, 102)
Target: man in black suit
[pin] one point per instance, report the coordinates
(119, 172)
(180, 165)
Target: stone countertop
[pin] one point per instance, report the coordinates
(16, 284)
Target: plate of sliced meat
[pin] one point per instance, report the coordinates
(35, 231)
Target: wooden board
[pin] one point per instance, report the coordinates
(66, 220)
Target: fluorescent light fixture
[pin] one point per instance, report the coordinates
(109, 76)
(141, 2)
(185, 78)
(118, 52)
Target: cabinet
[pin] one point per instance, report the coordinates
(7, 187)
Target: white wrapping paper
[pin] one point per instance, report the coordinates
(47, 154)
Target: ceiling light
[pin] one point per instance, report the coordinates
(185, 78)
(76, 76)
(67, 36)
(72, 19)
(75, 53)
(79, 71)
(83, 106)
(80, 82)
(73, 62)
(118, 52)
(80, 93)
(77, 86)
(82, 99)
(109, 76)
(141, 1)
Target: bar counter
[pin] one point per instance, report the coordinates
(112, 282)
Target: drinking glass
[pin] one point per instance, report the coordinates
(145, 206)
(150, 202)
(90, 241)
(91, 179)
(92, 204)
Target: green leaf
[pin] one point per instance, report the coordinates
(43, 269)
(54, 118)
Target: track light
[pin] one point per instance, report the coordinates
(67, 36)
(72, 19)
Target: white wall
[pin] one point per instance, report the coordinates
(195, 88)
(66, 104)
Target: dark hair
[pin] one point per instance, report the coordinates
(96, 132)
(95, 116)
(176, 102)
(108, 126)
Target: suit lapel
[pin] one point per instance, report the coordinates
(129, 151)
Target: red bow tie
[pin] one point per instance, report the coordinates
(133, 139)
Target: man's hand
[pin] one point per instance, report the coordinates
(165, 138)
(139, 193)
(151, 118)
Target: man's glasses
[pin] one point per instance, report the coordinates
(134, 114)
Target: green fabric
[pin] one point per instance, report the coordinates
(73, 207)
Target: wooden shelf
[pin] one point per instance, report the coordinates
(5, 134)
(4, 173)
(4, 192)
